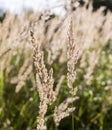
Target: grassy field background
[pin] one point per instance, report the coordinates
(80, 43)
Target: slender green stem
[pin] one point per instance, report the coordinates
(101, 123)
(72, 121)
(1, 92)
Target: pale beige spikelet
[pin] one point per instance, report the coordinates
(73, 55)
(93, 61)
(22, 78)
(44, 81)
(63, 110)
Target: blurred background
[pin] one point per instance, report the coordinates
(49, 19)
(18, 6)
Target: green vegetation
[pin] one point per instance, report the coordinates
(19, 98)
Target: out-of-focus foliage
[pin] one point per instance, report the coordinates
(19, 100)
(2, 15)
(106, 3)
